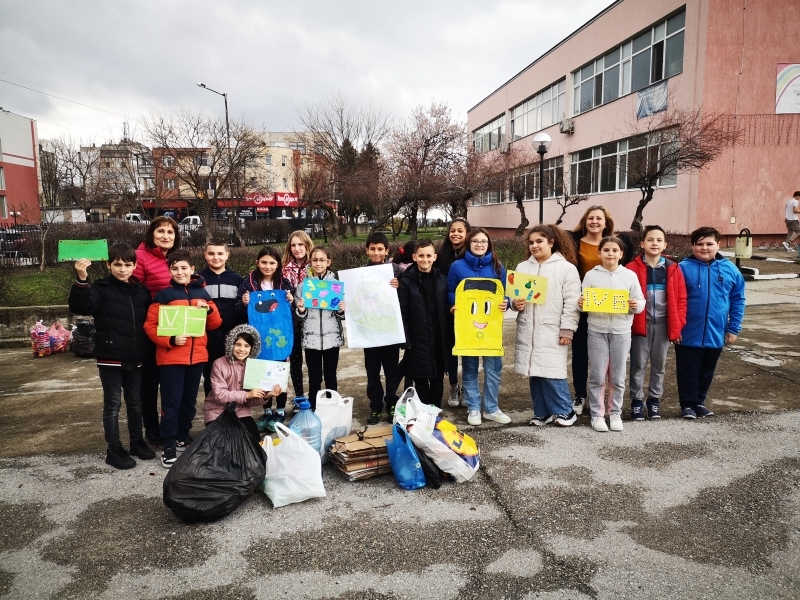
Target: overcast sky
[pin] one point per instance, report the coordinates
(270, 57)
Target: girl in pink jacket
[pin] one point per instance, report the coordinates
(227, 376)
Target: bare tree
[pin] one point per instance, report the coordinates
(77, 166)
(475, 173)
(567, 199)
(313, 182)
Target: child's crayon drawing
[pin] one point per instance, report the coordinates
(270, 313)
(530, 288)
(322, 294)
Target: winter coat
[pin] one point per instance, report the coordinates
(676, 297)
(620, 279)
(419, 324)
(223, 289)
(471, 266)
(119, 310)
(227, 377)
(541, 326)
(322, 329)
(295, 274)
(151, 269)
(715, 301)
(194, 351)
(249, 285)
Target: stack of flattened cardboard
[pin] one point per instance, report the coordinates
(362, 455)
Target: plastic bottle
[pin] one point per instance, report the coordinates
(306, 424)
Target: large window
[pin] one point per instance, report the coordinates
(3, 208)
(542, 110)
(2, 179)
(491, 135)
(653, 55)
(526, 183)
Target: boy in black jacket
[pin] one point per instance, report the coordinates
(423, 304)
(119, 306)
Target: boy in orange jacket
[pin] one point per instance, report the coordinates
(180, 358)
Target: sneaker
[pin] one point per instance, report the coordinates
(118, 457)
(140, 449)
(168, 457)
(637, 410)
(599, 424)
(279, 417)
(454, 400)
(497, 416)
(474, 418)
(541, 421)
(702, 411)
(786, 246)
(374, 417)
(153, 435)
(615, 422)
(566, 420)
(182, 445)
(390, 414)
(653, 409)
(577, 406)
(688, 413)
(263, 421)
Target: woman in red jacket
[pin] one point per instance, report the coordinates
(161, 238)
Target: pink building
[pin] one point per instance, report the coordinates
(585, 92)
(19, 170)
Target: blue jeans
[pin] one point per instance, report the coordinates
(492, 366)
(115, 381)
(550, 396)
(179, 385)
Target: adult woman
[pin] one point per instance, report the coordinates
(295, 267)
(152, 271)
(451, 247)
(595, 224)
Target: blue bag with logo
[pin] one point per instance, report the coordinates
(404, 460)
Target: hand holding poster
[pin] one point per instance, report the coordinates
(322, 293)
(373, 315)
(530, 288)
(478, 318)
(270, 313)
(264, 374)
(605, 301)
(77, 249)
(181, 320)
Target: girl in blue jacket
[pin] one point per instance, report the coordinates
(715, 309)
(478, 260)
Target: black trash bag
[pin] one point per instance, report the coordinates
(433, 475)
(83, 339)
(221, 469)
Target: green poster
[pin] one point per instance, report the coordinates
(264, 374)
(181, 320)
(78, 249)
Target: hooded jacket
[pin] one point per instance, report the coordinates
(249, 285)
(322, 329)
(619, 279)
(194, 350)
(227, 377)
(151, 269)
(471, 266)
(676, 297)
(715, 301)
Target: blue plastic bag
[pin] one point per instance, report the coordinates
(404, 460)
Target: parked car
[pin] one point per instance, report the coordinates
(136, 218)
(190, 224)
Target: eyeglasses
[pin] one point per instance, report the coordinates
(480, 242)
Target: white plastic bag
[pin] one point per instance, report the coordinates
(336, 414)
(453, 451)
(294, 471)
(409, 408)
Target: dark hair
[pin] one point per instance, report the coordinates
(649, 228)
(423, 244)
(246, 337)
(703, 232)
(612, 239)
(323, 249)
(215, 242)
(155, 224)
(377, 237)
(562, 242)
(797, 193)
(447, 253)
(496, 266)
(178, 256)
(607, 230)
(122, 253)
(258, 276)
(404, 252)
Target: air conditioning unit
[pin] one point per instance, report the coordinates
(567, 126)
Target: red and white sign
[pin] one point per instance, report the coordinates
(261, 202)
(288, 199)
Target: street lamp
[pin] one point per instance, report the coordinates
(227, 133)
(15, 214)
(542, 143)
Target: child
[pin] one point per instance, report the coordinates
(295, 268)
(423, 304)
(322, 331)
(386, 357)
(653, 330)
(266, 276)
(479, 261)
(715, 309)
(544, 331)
(222, 284)
(180, 358)
(227, 377)
(608, 337)
(404, 257)
(119, 306)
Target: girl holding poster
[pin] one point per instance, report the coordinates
(295, 269)
(609, 333)
(544, 331)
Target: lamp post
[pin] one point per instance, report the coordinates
(542, 143)
(15, 214)
(227, 134)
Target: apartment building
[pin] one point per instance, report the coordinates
(20, 180)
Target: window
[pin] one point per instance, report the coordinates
(542, 110)
(169, 184)
(651, 56)
(2, 179)
(3, 208)
(168, 161)
(526, 183)
(283, 161)
(268, 158)
(200, 161)
(318, 148)
(490, 136)
(300, 147)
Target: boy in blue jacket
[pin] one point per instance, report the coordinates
(715, 309)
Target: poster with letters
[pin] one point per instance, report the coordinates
(605, 301)
(372, 310)
(181, 320)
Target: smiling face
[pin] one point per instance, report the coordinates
(164, 237)
(241, 349)
(610, 254)
(457, 234)
(705, 249)
(654, 243)
(377, 253)
(424, 257)
(181, 272)
(298, 249)
(540, 247)
(121, 269)
(319, 263)
(267, 266)
(595, 222)
(216, 257)
(479, 244)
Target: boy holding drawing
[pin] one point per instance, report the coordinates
(180, 357)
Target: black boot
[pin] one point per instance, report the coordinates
(153, 435)
(118, 457)
(140, 449)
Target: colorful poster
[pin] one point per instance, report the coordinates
(478, 318)
(787, 91)
(181, 320)
(372, 312)
(322, 293)
(530, 288)
(264, 374)
(271, 314)
(78, 249)
(605, 301)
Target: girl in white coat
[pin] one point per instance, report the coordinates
(544, 331)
